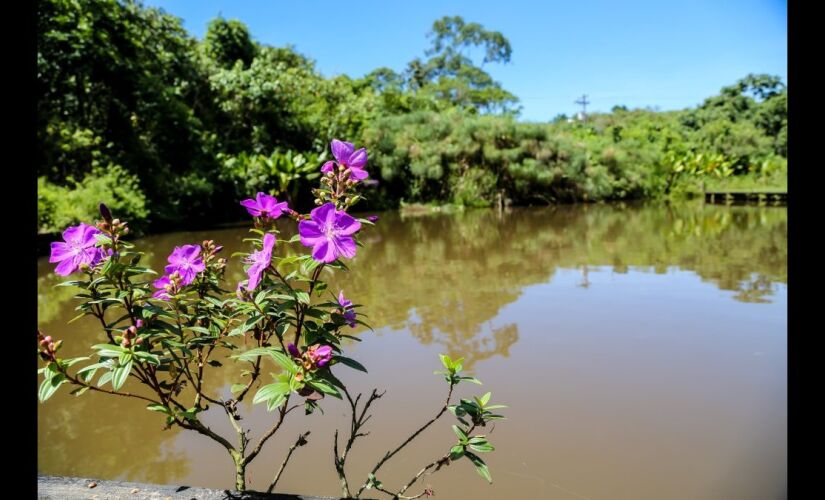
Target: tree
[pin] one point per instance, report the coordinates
(228, 41)
(450, 73)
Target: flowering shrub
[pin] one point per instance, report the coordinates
(166, 332)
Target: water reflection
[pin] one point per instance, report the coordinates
(449, 281)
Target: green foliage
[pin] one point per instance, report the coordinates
(123, 84)
(59, 207)
(227, 42)
(281, 174)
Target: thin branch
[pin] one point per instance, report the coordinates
(357, 421)
(299, 442)
(390, 454)
(282, 413)
(77, 381)
(444, 460)
(438, 464)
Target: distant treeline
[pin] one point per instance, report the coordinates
(171, 131)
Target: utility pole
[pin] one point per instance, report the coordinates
(583, 102)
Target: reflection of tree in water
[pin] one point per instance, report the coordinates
(102, 436)
(457, 271)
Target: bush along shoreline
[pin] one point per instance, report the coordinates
(168, 129)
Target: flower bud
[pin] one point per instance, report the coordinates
(105, 212)
(44, 343)
(139, 323)
(116, 222)
(139, 341)
(51, 346)
(48, 338)
(125, 230)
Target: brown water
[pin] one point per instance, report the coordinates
(641, 351)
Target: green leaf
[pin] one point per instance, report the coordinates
(481, 467)
(246, 326)
(275, 402)
(324, 387)
(79, 390)
(120, 374)
(88, 372)
(271, 391)
(373, 482)
(483, 400)
(471, 379)
(462, 436)
(351, 363)
(148, 357)
(106, 377)
(237, 388)
(446, 361)
(159, 408)
(50, 385)
(480, 444)
(302, 297)
(109, 350)
(456, 452)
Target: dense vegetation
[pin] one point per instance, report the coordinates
(129, 102)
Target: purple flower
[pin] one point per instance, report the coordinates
(319, 355)
(348, 158)
(329, 233)
(372, 218)
(260, 260)
(77, 248)
(187, 262)
(347, 311)
(264, 205)
(162, 285)
(293, 351)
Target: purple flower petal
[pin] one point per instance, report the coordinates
(77, 248)
(358, 174)
(66, 267)
(187, 262)
(346, 224)
(310, 232)
(251, 207)
(327, 167)
(346, 246)
(358, 159)
(60, 251)
(324, 252)
(342, 150)
(260, 261)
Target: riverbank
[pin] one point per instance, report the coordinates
(70, 488)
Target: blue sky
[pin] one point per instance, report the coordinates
(665, 54)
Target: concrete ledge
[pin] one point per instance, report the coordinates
(71, 488)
